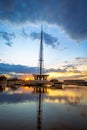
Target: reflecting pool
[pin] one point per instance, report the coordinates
(38, 108)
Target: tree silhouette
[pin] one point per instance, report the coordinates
(3, 78)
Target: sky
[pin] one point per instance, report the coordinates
(64, 38)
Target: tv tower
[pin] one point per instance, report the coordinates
(41, 76)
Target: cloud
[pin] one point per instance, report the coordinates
(7, 37)
(78, 63)
(66, 61)
(62, 49)
(19, 70)
(7, 68)
(64, 69)
(35, 35)
(56, 70)
(48, 38)
(70, 71)
(66, 72)
(70, 15)
(24, 34)
(70, 66)
(81, 60)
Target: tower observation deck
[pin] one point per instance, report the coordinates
(41, 76)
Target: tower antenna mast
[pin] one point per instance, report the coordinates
(41, 53)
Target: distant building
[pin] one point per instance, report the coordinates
(75, 82)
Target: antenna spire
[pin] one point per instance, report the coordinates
(41, 52)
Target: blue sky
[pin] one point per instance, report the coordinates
(65, 37)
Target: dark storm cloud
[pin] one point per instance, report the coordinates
(71, 15)
(7, 37)
(48, 38)
(7, 68)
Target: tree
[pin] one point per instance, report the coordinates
(3, 78)
(54, 80)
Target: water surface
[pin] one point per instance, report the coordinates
(29, 108)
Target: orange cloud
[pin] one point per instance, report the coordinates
(68, 75)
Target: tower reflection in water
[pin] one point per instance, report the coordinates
(2, 89)
(40, 91)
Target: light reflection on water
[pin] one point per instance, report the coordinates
(29, 108)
